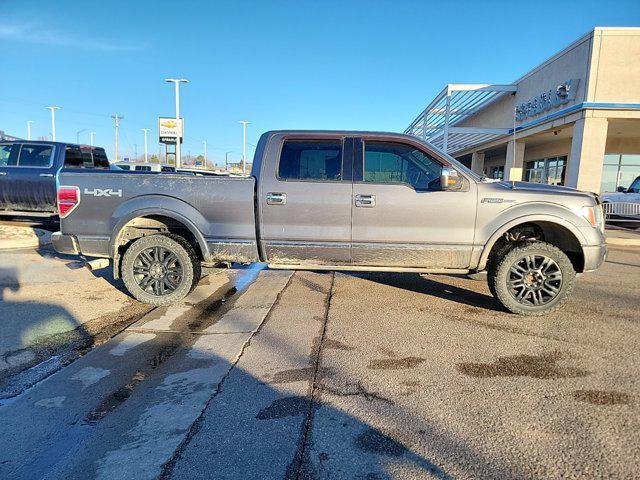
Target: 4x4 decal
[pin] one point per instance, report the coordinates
(103, 192)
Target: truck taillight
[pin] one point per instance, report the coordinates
(68, 199)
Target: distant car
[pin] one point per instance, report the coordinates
(623, 206)
(145, 167)
(29, 171)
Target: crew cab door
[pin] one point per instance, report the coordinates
(28, 177)
(401, 216)
(305, 193)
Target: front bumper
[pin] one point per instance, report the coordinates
(594, 256)
(66, 244)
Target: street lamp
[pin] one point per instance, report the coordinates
(92, 138)
(244, 145)
(78, 134)
(177, 82)
(53, 109)
(146, 131)
(29, 123)
(204, 142)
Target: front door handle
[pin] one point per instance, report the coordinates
(3, 173)
(367, 201)
(46, 174)
(275, 198)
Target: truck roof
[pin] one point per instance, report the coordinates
(47, 142)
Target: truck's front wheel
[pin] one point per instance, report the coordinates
(160, 269)
(532, 279)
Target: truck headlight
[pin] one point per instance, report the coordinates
(593, 215)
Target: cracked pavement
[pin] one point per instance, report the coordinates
(272, 374)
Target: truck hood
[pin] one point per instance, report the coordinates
(543, 188)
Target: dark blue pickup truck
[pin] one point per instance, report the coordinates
(29, 172)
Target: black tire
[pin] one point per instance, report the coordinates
(494, 260)
(160, 269)
(532, 279)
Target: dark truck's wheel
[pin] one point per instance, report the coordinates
(532, 279)
(160, 269)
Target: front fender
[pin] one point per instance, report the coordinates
(161, 205)
(518, 215)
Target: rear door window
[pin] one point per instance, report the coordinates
(311, 160)
(35, 156)
(9, 155)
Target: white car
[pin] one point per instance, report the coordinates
(623, 204)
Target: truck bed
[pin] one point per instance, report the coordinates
(219, 212)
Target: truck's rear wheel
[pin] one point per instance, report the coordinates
(160, 269)
(532, 279)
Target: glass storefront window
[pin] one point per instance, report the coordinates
(547, 170)
(619, 170)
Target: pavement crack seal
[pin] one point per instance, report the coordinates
(296, 470)
(168, 466)
(355, 390)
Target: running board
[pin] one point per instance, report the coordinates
(367, 268)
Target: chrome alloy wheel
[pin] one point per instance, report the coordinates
(534, 280)
(157, 271)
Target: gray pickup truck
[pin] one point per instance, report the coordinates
(323, 200)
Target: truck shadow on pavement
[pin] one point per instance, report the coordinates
(417, 283)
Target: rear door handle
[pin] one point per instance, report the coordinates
(3, 173)
(366, 201)
(46, 174)
(276, 198)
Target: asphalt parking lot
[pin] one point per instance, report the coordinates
(273, 374)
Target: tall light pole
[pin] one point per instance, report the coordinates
(204, 142)
(244, 145)
(117, 119)
(29, 123)
(92, 136)
(177, 82)
(53, 121)
(78, 134)
(146, 131)
(226, 160)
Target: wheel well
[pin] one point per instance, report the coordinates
(550, 232)
(150, 225)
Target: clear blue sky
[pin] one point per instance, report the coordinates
(279, 64)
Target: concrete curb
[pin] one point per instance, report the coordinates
(12, 237)
(623, 242)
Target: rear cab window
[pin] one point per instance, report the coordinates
(85, 157)
(312, 160)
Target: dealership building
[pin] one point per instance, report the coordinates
(574, 120)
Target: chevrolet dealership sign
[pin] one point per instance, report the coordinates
(170, 129)
(547, 100)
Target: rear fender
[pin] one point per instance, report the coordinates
(162, 205)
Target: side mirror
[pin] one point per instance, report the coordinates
(622, 190)
(449, 179)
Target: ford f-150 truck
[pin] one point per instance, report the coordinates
(28, 171)
(324, 200)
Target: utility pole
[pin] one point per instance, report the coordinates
(91, 138)
(146, 131)
(177, 82)
(244, 145)
(53, 121)
(29, 123)
(117, 119)
(135, 149)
